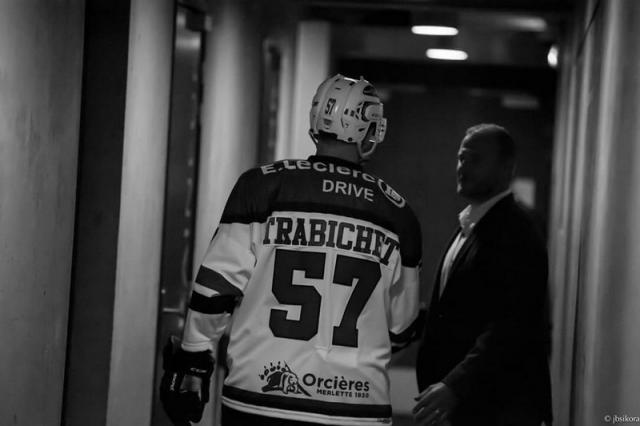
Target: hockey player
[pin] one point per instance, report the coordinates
(314, 274)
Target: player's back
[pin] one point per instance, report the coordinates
(334, 280)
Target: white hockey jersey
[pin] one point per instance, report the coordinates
(315, 267)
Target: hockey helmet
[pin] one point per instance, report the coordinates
(348, 108)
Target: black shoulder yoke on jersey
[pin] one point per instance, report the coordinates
(324, 185)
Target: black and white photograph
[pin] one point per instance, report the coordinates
(319, 212)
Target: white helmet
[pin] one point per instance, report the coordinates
(347, 108)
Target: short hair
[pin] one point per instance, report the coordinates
(506, 144)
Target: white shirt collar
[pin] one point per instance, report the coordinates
(471, 215)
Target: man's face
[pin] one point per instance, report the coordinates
(481, 172)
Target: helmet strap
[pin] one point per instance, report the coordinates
(313, 137)
(364, 156)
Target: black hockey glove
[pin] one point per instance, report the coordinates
(184, 397)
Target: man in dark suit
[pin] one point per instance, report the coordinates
(483, 359)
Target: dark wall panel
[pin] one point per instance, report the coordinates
(98, 209)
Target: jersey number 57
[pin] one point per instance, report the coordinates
(307, 297)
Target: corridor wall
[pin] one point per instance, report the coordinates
(230, 117)
(595, 238)
(40, 81)
(137, 280)
(312, 66)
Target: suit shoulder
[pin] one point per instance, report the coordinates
(517, 227)
(524, 219)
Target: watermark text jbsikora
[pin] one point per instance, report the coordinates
(621, 418)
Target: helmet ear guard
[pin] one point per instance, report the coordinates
(348, 108)
(377, 135)
(373, 112)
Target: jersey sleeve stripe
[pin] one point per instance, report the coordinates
(410, 333)
(213, 280)
(245, 219)
(413, 261)
(212, 305)
(308, 405)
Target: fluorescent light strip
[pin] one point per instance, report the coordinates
(434, 30)
(447, 54)
(527, 23)
(552, 56)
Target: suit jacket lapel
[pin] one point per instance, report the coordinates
(436, 290)
(457, 262)
(487, 221)
(463, 252)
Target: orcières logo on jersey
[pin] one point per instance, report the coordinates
(280, 378)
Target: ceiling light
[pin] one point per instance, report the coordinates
(552, 56)
(434, 30)
(519, 101)
(527, 23)
(447, 54)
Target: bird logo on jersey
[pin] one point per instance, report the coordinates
(281, 378)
